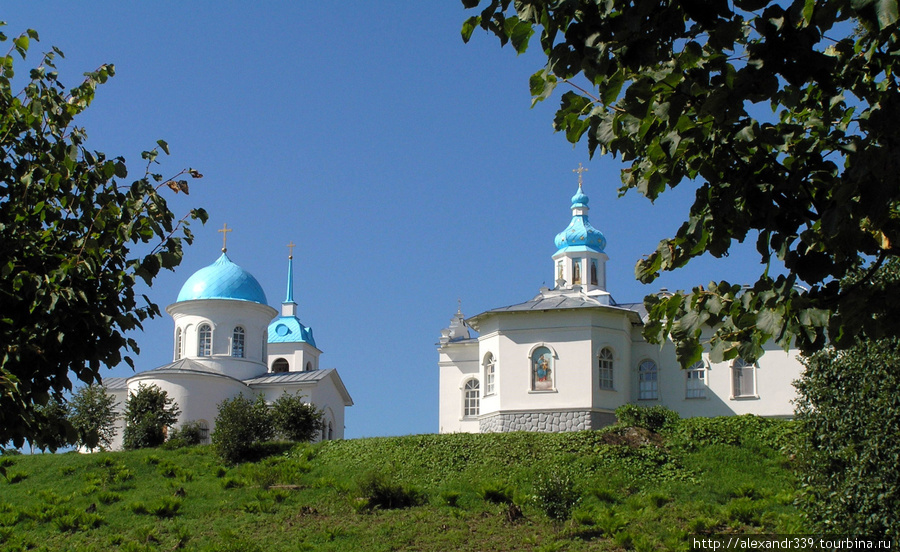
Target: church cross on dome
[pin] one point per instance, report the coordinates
(291, 247)
(580, 170)
(225, 230)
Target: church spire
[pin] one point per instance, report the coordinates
(289, 307)
(580, 259)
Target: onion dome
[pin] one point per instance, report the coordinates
(288, 329)
(580, 234)
(222, 280)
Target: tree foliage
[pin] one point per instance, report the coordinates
(54, 429)
(294, 419)
(71, 233)
(147, 415)
(92, 413)
(782, 116)
(241, 425)
(850, 416)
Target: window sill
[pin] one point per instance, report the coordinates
(541, 391)
(653, 399)
(745, 398)
(696, 398)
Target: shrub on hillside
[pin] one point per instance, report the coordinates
(294, 419)
(381, 491)
(654, 418)
(92, 412)
(189, 434)
(849, 419)
(147, 415)
(747, 429)
(556, 495)
(241, 426)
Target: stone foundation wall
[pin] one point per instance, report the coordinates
(548, 422)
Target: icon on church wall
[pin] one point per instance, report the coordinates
(594, 272)
(542, 372)
(576, 271)
(559, 271)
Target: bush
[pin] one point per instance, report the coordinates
(92, 412)
(241, 426)
(556, 495)
(147, 415)
(189, 434)
(294, 419)
(381, 492)
(849, 420)
(653, 418)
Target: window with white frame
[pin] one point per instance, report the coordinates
(179, 344)
(743, 378)
(648, 381)
(489, 374)
(204, 340)
(695, 385)
(471, 398)
(237, 342)
(605, 368)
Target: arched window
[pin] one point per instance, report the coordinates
(576, 271)
(594, 272)
(308, 366)
(471, 399)
(237, 342)
(179, 344)
(489, 374)
(648, 384)
(280, 365)
(204, 340)
(695, 386)
(743, 378)
(605, 368)
(541, 369)
(330, 431)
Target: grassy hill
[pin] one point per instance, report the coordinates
(628, 489)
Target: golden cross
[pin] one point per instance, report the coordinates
(580, 170)
(291, 247)
(225, 230)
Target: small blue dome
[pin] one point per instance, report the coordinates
(580, 234)
(579, 199)
(288, 329)
(222, 280)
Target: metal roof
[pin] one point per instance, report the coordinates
(222, 280)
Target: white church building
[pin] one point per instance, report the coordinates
(229, 341)
(567, 358)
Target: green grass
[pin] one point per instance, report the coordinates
(452, 492)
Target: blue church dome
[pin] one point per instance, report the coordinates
(222, 280)
(580, 235)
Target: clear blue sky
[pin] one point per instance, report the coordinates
(408, 167)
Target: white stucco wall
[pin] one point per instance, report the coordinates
(458, 362)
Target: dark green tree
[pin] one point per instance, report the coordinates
(294, 419)
(54, 429)
(92, 413)
(241, 425)
(147, 415)
(850, 420)
(782, 116)
(72, 235)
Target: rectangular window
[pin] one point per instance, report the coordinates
(743, 379)
(696, 384)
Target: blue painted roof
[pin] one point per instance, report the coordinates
(222, 280)
(288, 329)
(580, 235)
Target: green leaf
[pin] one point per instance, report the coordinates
(612, 87)
(163, 145)
(469, 26)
